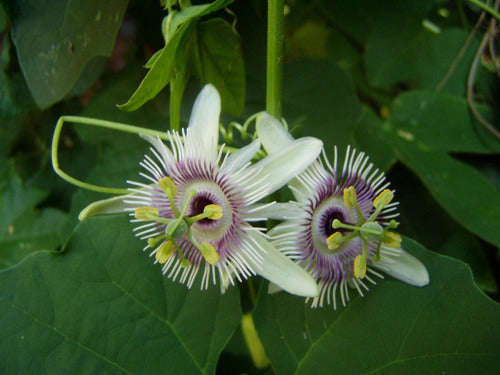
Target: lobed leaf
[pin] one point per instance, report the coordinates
(449, 326)
(104, 307)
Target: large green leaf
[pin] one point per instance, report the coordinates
(33, 231)
(423, 128)
(320, 97)
(424, 220)
(448, 326)
(423, 61)
(103, 307)
(23, 229)
(441, 122)
(370, 139)
(55, 40)
(466, 194)
(365, 20)
(15, 198)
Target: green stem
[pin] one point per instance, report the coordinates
(486, 8)
(275, 36)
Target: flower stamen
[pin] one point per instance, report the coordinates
(335, 240)
(164, 252)
(146, 213)
(167, 185)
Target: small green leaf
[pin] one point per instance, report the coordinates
(55, 40)
(165, 63)
(448, 326)
(197, 11)
(104, 307)
(161, 72)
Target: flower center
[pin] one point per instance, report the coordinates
(198, 204)
(328, 221)
(325, 213)
(207, 193)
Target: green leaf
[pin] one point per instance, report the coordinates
(467, 195)
(435, 229)
(23, 229)
(197, 11)
(370, 139)
(441, 122)
(164, 63)
(56, 39)
(15, 198)
(161, 72)
(218, 60)
(104, 307)
(423, 128)
(320, 97)
(32, 231)
(423, 61)
(395, 26)
(364, 20)
(449, 326)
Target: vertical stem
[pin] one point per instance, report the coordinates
(275, 36)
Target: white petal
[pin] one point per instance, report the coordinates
(303, 188)
(276, 211)
(106, 206)
(272, 133)
(241, 157)
(162, 149)
(406, 268)
(283, 272)
(204, 120)
(273, 288)
(283, 165)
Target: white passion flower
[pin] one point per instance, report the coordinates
(341, 229)
(196, 204)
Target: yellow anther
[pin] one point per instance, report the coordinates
(391, 239)
(383, 199)
(360, 266)
(350, 197)
(213, 211)
(164, 251)
(168, 186)
(334, 240)
(146, 213)
(209, 253)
